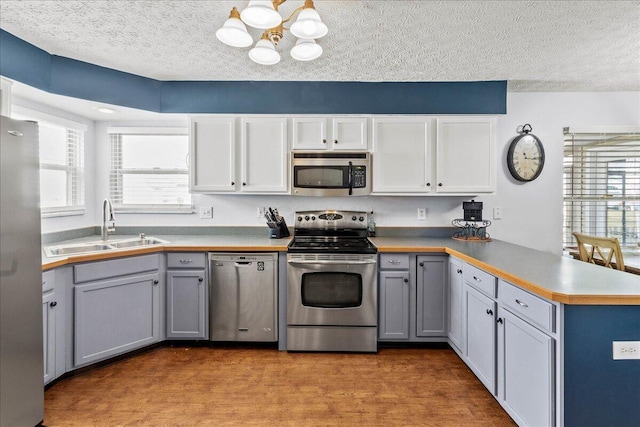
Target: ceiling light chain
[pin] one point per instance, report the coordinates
(264, 15)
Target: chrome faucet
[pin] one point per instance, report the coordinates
(107, 216)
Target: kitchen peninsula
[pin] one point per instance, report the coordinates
(595, 306)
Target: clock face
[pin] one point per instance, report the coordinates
(525, 157)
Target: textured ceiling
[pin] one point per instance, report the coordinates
(535, 45)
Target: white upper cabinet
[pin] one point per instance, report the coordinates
(325, 133)
(402, 155)
(466, 155)
(212, 154)
(264, 155)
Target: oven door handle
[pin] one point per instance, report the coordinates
(350, 178)
(293, 261)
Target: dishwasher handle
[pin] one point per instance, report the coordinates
(243, 263)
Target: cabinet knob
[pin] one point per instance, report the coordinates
(439, 184)
(200, 279)
(406, 280)
(233, 183)
(324, 141)
(155, 282)
(499, 320)
(335, 141)
(428, 184)
(244, 183)
(459, 271)
(53, 303)
(489, 312)
(421, 264)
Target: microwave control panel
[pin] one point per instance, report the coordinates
(359, 177)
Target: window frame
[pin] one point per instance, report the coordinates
(116, 171)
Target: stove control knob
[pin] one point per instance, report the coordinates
(353, 218)
(299, 218)
(306, 218)
(361, 218)
(313, 218)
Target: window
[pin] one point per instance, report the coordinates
(149, 169)
(602, 184)
(61, 145)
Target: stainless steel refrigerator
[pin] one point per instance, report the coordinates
(21, 357)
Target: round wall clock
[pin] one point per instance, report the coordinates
(525, 157)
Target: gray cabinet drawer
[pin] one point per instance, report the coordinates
(526, 305)
(394, 262)
(48, 280)
(186, 260)
(113, 268)
(481, 280)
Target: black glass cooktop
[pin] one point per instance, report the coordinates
(332, 245)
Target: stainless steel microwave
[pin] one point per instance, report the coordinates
(330, 173)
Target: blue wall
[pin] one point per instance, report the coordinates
(28, 64)
(600, 391)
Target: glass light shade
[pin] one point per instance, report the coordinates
(308, 25)
(306, 50)
(264, 53)
(234, 33)
(261, 14)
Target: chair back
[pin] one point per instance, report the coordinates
(600, 250)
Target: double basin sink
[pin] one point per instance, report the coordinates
(101, 246)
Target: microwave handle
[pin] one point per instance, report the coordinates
(350, 178)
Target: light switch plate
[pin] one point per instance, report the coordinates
(422, 214)
(625, 350)
(206, 212)
(497, 213)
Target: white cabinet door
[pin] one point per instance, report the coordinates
(349, 133)
(310, 133)
(49, 335)
(480, 352)
(212, 154)
(401, 155)
(265, 154)
(465, 155)
(526, 371)
(456, 304)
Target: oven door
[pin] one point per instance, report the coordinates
(332, 290)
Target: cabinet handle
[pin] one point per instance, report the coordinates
(489, 312)
(477, 279)
(335, 141)
(524, 304)
(439, 184)
(459, 271)
(185, 261)
(428, 184)
(324, 141)
(406, 280)
(421, 264)
(233, 183)
(394, 261)
(499, 320)
(200, 279)
(244, 183)
(53, 304)
(155, 282)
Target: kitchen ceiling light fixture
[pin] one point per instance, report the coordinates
(264, 15)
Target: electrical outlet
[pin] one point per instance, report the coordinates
(497, 213)
(626, 350)
(206, 212)
(422, 214)
(260, 212)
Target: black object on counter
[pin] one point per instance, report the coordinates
(472, 210)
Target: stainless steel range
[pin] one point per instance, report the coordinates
(332, 294)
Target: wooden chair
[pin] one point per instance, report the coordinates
(600, 250)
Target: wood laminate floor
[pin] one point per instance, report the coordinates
(239, 386)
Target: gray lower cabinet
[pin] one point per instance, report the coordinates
(456, 304)
(431, 309)
(49, 335)
(187, 296)
(115, 315)
(480, 351)
(394, 303)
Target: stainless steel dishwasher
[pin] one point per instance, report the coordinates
(244, 297)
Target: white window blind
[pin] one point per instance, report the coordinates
(149, 170)
(602, 184)
(61, 150)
